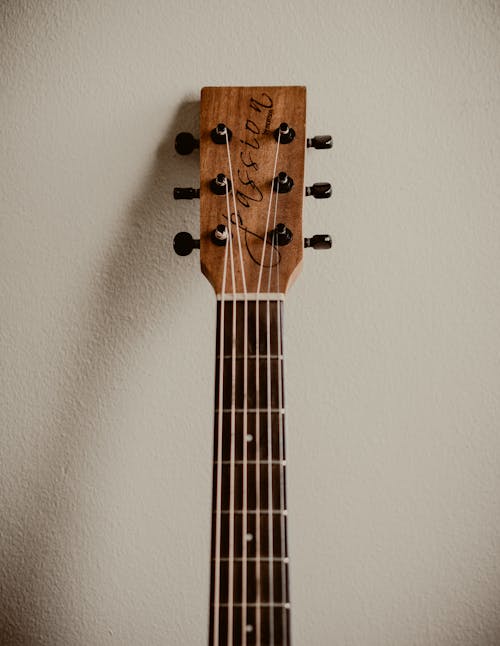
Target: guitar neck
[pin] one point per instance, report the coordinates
(249, 599)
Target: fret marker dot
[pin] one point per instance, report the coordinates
(248, 628)
(286, 559)
(285, 512)
(284, 463)
(249, 438)
(287, 606)
(249, 537)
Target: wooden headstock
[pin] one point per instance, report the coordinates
(252, 148)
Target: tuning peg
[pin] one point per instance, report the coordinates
(320, 142)
(281, 235)
(185, 143)
(184, 243)
(320, 191)
(322, 241)
(186, 193)
(282, 183)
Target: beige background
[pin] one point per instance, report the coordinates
(107, 353)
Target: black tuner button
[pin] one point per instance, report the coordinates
(220, 185)
(185, 143)
(220, 133)
(284, 134)
(320, 191)
(320, 142)
(219, 235)
(280, 236)
(186, 193)
(322, 241)
(282, 183)
(184, 243)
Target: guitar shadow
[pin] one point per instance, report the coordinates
(126, 296)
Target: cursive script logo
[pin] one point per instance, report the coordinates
(262, 111)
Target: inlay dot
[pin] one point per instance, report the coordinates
(286, 559)
(249, 438)
(285, 512)
(249, 628)
(287, 606)
(249, 537)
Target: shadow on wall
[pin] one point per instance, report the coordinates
(124, 298)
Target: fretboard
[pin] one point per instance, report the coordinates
(249, 600)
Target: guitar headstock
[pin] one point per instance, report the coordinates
(252, 149)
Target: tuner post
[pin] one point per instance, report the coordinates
(284, 134)
(280, 236)
(221, 133)
(283, 183)
(220, 185)
(220, 235)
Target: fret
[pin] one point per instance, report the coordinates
(263, 357)
(253, 462)
(265, 411)
(255, 605)
(284, 512)
(255, 558)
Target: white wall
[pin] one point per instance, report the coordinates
(393, 363)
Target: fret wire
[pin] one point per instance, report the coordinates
(263, 604)
(251, 410)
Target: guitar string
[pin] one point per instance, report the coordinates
(218, 512)
(269, 403)
(281, 438)
(245, 407)
(233, 409)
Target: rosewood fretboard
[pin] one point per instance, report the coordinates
(249, 600)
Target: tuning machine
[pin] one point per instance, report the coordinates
(185, 143)
(184, 243)
(320, 191)
(320, 142)
(320, 241)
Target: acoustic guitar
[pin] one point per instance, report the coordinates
(252, 147)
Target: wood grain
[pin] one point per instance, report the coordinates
(252, 114)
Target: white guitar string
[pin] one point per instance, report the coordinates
(258, 611)
(270, 536)
(261, 268)
(280, 354)
(244, 563)
(218, 512)
(269, 436)
(233, 411)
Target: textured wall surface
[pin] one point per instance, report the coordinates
(393, 362)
